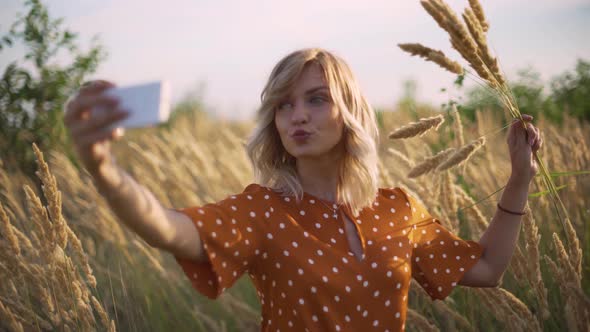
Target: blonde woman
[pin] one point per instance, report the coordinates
(326, 249)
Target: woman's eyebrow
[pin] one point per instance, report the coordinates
(312, 90)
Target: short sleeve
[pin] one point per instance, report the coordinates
(439, 257)
(231, 235)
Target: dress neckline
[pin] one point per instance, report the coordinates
(319, 199)
(305, 195)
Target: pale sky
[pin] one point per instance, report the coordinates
(231, 46)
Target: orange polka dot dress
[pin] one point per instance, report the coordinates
(300, 262)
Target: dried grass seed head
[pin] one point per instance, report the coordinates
(433, 55)
(462, 155)
(419, 127)
(430, 163)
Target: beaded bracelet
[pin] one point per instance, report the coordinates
(511, 212)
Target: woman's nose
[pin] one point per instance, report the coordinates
(299, 114)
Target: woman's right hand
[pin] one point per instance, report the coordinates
(89, 134)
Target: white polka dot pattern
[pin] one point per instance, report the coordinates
(310, 268)
(433, 265)
(232, 238)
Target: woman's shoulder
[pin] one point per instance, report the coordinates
(250, 191)
(402, 201)
(397, 195)
(391, 192)
(255, 191)
(258, 188)
(251, 199)
(254, 188)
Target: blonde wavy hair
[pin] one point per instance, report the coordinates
(358, 171)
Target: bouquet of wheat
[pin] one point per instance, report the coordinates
(469, 38)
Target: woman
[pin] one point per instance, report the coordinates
(326, 249)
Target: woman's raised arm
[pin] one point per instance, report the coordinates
(133, 204)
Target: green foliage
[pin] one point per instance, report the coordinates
(379, 118)
(189, 105)
(34, 89)
(528, 92)
(569, 93)
(408, 99)
(459, 80)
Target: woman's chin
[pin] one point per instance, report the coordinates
(304, 153)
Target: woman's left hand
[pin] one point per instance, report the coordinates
(521, 145)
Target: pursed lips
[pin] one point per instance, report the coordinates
(300, 132)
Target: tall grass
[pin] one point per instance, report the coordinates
(469, 39)
(67, 264)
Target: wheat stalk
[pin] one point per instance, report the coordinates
(81, 255)
(458, 125)
(462, 154)
(470, 41)
(407, 162)
(417, 128)
(104, 318)
(522, 311)
(581, 301)
(51, 278)
(450, 199)
(420, 322)
(473, 211)
(445, 311)
(53, 198)
(575, 251)
(7, 232)
(532, 239)
(430, 163)
(565, 262)
(9, 317)
(483, 51)
(433, 55)
(478, 11)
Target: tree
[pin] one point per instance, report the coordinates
(31, 101)
(571, 91)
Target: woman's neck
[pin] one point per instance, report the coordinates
(319, 177)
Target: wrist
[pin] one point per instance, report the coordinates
(105, 175)
(517, 213)
(519, 179)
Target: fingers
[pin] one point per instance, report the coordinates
(91, 139)
(101, 121)
(511, 137)
(79, 103)
(528, 136)
(95, 86)
(531, 133)
(538, 140)
(84, 103)
(516, 136)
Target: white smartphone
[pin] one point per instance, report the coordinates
(147, 103)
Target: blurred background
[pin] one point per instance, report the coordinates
(226, 49)
(217, 56)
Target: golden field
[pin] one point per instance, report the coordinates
(67, 264)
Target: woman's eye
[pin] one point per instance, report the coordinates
(317, 100)
(284, 106)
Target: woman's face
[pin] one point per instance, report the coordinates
(309, 108)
